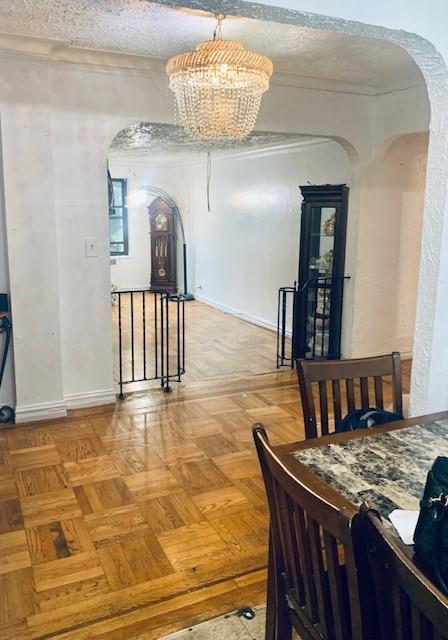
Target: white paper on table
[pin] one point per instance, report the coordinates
(405, 523)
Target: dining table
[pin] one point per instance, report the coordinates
(386, 466)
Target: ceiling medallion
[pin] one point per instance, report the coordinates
(218, 88)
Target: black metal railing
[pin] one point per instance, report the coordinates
(150, 337)
(315, 314)
(285, 313)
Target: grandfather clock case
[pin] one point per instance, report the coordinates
(162, 220)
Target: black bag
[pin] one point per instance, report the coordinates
(431, 532)
(365, 419)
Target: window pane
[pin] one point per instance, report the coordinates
(117, 247)
(115, 212)
(116, 230)
(118, 193)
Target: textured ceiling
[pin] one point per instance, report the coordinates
(140, 27)
(147, 139)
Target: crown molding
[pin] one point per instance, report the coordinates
(102, 61)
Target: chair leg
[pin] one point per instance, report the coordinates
(278, 623)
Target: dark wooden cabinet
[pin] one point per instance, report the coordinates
(162, 219)
(318, 301)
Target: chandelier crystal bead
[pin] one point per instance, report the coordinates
(218, 88)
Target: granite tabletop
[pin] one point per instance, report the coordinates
(387, 469)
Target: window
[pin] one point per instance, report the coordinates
(118, 219)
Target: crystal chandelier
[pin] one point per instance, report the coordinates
(218, 88)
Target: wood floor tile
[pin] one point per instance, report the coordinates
(82, 592)
(11, 517)
(17, 596)
(135, 459)
(14, 552)
(27, 437)
(217, 445)
(8, 489)
(219, 405)
(80, 449)
(57, 540)
(5, 462)
(244, 531)
(243, 464)
(116, 525)
(179, 453)
(83, 566)
(72, 430)
(90, 470)
(201, 428)
(49, 507)
(31, 482)
(151, 484)
(170, 512)
(221, 501)
(116, 567)
(203, 475)
(193, 545)
(37, 456)
(102, 496)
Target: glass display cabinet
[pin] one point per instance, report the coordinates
(318, 300)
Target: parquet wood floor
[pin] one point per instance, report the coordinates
(129, 522)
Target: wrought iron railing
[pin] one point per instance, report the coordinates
(150, 337)
(285, 313)
(315, 313)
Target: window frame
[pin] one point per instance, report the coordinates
(124, 217)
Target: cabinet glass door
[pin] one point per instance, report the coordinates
(320, 270)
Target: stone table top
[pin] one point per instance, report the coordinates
(387, 469)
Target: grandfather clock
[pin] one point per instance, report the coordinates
(162, 221)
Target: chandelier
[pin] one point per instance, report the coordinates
(218, 88)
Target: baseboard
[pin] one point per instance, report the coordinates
(90, 398)
(239, 314)
(41, 411)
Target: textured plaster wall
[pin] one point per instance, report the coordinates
(389, 241)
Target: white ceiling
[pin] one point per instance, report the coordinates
(158, 31)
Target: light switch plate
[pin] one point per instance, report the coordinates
(91, 248)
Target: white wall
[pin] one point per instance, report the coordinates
(7, 390)
(248, 246)
(389, 241)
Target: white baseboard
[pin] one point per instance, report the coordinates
(41, 411)
(90, 398)
(260, 322)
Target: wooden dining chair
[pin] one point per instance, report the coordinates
(344, 385)
(410, 607)
(313, 582)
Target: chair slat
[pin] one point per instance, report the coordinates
(379, 402)
(337, 408)
(338, 601)
(323, 402)
(364, 383)
(322, 594)
(306, 564)
(350, 387)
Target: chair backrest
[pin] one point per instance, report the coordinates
(312, 546)
(409, 605)
(344, 385)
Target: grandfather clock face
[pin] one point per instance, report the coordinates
(161, 222)
(163, 246)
